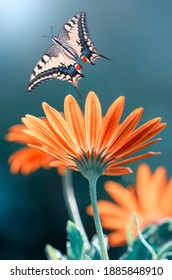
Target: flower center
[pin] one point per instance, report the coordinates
(90, 164)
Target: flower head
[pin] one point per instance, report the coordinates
(27, 159)
(151, 200)
(88, 142)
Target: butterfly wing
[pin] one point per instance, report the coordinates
(56, 63)
(75, 34)
(59, 61)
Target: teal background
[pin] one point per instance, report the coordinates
(136, 35)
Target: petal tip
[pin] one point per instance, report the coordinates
(91, 92)
(91, 95)
(154, 153)
(130, 171)
(45, 105)
(69, 99)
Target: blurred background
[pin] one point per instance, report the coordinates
(136, 35)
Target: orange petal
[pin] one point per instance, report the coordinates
(157, 184)
(108, 208)
(143, 178)
(16, 128)
(117, 171)
(113, 224)
(119, 138)
(59, 125)
(133, 159)
(117, 238)
(42, 133)
(166, 200)
(110, 122)
(93, 119)
(150, 186)
(149, 134)
(48, 150)
(28, 160)
(127, 151)
(74, 118)
(145, 132)
(122, 196)
(63, 164)
(17, 135)
(38, 126)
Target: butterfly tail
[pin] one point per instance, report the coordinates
(77, 75)
(105, 57)
(78, 91)
(95, 56)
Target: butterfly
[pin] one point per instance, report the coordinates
(60, 59)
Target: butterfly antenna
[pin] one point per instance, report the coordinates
(51, 31)
(45, 36)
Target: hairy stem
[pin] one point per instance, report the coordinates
(71, 204)
(93, 195)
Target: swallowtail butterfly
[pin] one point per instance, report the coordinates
(59, 60)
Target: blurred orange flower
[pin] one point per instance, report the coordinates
(27, 159)
(89, 142)
(151, 200)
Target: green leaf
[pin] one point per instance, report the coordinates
(95, 253)
(159, 237)
(75, 245)
(52, 253)
(164, 250)
(170, 225)
(138, 251)
(168, 256)
(87, 258)
(164, 233)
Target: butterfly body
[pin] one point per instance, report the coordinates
(69, 50)
(59, 60)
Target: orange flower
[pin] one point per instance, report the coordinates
(92, 143)
(151, 200)
(27, 159)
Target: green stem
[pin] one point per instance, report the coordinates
(93, 195)
(71, 204)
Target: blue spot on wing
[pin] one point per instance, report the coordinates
(85, 49)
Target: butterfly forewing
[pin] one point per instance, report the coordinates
(75, 34)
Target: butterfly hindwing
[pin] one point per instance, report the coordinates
(55, 64)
